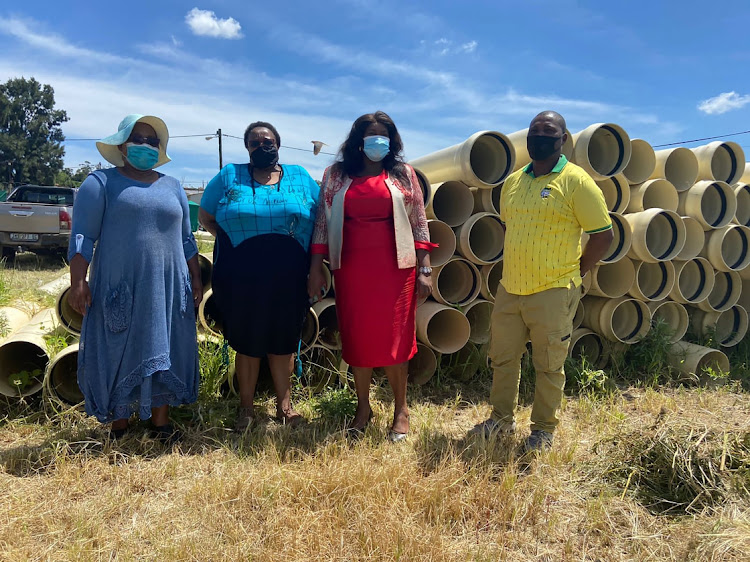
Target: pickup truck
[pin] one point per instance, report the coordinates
(37, 219)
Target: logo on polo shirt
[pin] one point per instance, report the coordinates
(545, 193)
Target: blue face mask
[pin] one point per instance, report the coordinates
(142, 156)
(376, 147)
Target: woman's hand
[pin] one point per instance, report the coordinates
(316, 281)
(424, 287)
(79, 297)
(197, 291)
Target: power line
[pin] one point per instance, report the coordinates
(703, 139)
(285, 146)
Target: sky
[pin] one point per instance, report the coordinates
(666, 71)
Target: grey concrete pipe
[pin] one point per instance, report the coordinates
(694, 281)
(653, 281)
(712, 203)
(424, 183)
(328, 333)
(487, 200)
(587, 345)
(642, 162)
(622, 320)
(742, 194)
(722, 161)
(479, 314)
(728, 326)
(616, 191)
(673, 314)
(481, 239)
(457, 282)
(423, 365)
(491, 275)
(443, 235)
(61, 378)
(518, 140)
(602, 149)
(677, 165)
(653, 194)
(443, 328)
(696, 360)
(727, 247)
(69, 319)
(725, 294)
(694, 239)
(658, 235)
(452, 203)
(485, 159)
(612, 280)
(25, 353)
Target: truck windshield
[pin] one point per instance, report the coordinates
(49, 197)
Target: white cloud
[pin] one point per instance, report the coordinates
(727, 101)
(469, 47)
(205, 22)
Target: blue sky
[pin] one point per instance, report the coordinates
(665, 71)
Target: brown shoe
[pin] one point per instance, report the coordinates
(245, 418)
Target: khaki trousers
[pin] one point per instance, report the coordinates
(547, 319)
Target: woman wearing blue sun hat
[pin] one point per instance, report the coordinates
(131, 227)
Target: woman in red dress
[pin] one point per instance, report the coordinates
(371, 224)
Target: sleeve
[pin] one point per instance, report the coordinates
(417, 217)
(88, 213)
(589, 207)
(213, 192)
(189, 246)
(320, 231)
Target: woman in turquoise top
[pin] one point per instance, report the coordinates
(262, 215)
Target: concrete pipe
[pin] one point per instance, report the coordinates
(209, 316)
(578, 318)
(742, 194)
(728, 326)
(11, 319)
(23, 356)
(310, 329)
(328, 334)
(623, 239)
(61, 379)
(206, 264)
(322, 368)
(481, 239)
(616, 191)
(518, 139)
(694, 281)
(694, 239)
(479, 314)
(722, 161)
(746, 174)
(587, 345)
(485, 159)
(727, 247)
(452, 203)
(586, 284)
(443, 328)
(602, 149)
(673, 314)
(678, 165)
(642, 162)
(56, 286)
(465, 363)
(725, 294)
(653, 194)
(423, 365)
(424, 183)
(612, 280)
(487, 200)
(658, 235)
(622, 320)
(653, 281)
(442, 235)
(456, 282)
(712, 203)
(69, 319)
(696, 360)
(491, 276)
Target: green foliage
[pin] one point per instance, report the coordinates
(336, 405)
(214, 367)
(5, 296)
(30, 132)
(69, 177)
(647, 361)
(23, 379)
(583, 378)
(4, 325)
(56, 342)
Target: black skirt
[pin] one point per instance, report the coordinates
(260, 289)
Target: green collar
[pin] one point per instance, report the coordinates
(556, 170)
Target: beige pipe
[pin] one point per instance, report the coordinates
(695, 360)
(479, 314)
(481, 239)
(694, 239)
(694, 281)
(616, 191)
(322, 368)
(206, 265)
(464, 364)
(653, 281)
(208, 314)
(452, 203)
(745, 178)
(744, 300)
(712, 203)
(742, 194)
(653, 194)
(673, 314)
(518, 139)
(642, 162)
(602, 149)
(725, 294)
(26, 350)
(11, 319)
(69, 319)
(485, 159)
(310, 330)
(586, 344)
(423, 365)
(578, 318)
(56, 286)
(457, 282)
(487, 200)
(677, 165)
(328, 334)
(727, 247)
(443, 328)
(442, 235)
(61, 379)
(612, 280)
(586, 284)
(424, 183)
(658, 235)
(728, 326)
(623, 320)
(722, 161)
(623, 239)
(491, 275)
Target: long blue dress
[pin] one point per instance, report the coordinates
(138, 345)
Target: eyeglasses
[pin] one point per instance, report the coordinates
(138, 139)
(264, 142)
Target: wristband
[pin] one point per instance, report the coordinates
(423, 270)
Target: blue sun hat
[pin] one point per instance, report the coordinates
(109, 146)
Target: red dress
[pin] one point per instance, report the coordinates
(375, 300)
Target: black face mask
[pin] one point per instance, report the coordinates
(264, 157)
(541, 147)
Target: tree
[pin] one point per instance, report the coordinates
(69, 177)
(30, 132)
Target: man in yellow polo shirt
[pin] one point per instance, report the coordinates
(544, 207)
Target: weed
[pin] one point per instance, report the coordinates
(335, 405)
(4, 324)
(56, 342)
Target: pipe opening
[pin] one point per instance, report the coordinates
(64, 379)
(674, 315)
(620, 150)
(309, 330)
(714, 206)
(491, 276)
(423, 365)
(616, 194)
(737, 254)
(691, 282)
(206, 268)
(329, 328)
(724, 164)
(661, 236)
(443, 235)
(69, 317)
(457, 282)
(447, 328)
(617, 248)
(742, 193)
(453, 203)
(731, 326)
(490, 158)
(486, 239)
(589, 347)
(211, 316)
(652, 279)
(23, 359)
(479, 315)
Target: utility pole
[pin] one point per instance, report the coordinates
(221, 158)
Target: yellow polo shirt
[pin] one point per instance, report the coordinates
(543, 219)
